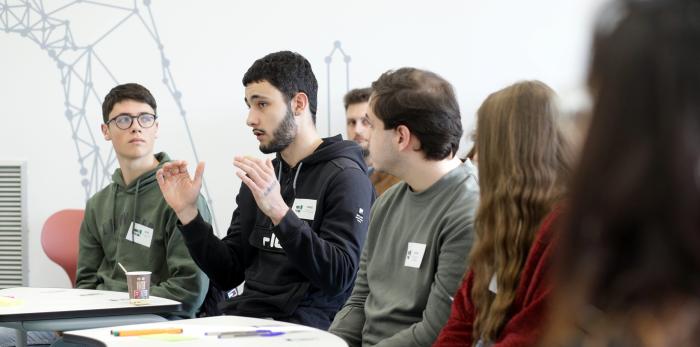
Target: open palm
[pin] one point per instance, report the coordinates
(179, 190)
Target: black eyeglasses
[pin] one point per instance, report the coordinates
(124, 121)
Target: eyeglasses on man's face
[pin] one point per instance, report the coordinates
(125, 120)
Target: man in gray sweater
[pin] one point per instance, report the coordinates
(421, 230)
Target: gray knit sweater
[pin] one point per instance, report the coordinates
(412, 263)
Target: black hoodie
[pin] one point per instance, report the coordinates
(301, 270)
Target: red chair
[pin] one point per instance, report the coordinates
(59, 239)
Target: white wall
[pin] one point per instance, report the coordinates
(479, 45)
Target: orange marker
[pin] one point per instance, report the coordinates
(146, 332)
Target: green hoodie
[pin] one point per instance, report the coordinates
(105, 239)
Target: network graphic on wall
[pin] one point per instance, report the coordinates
(78, 63)
(81, 67)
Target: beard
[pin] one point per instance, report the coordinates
(364, 145)
(283, 136)
(365, 153)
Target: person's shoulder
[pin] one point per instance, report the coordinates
(343, 170)
(464, 184)
(468, 172)
(461, 199)
(391, 196)
(546, 233)
(102, 196)
(344, 163)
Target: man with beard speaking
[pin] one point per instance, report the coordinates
(301, 219)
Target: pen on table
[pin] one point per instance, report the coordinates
(256, 333)
(236, 332)
(146, 332)
(90, 294)
(251, 334)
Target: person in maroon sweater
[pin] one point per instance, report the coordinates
(523, 169)
(523, 327)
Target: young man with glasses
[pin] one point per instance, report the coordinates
(301, 219)
(128, 221)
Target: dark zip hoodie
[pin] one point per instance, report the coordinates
(303, 269)
(106, 237)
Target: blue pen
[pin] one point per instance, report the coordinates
(255, 333)
(238, 332)
(273, 333)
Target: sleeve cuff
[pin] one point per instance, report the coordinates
(196, 224)
(290, 221)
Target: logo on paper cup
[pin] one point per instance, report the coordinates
(138, 283)
(141, 294)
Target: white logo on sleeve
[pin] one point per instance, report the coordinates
(140, 234)
(414, 254)
(359, 217)
(304, 208)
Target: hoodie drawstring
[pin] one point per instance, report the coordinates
(114, 209)
(133, 212)
(133, 215)
(296, 175)
(114, 224)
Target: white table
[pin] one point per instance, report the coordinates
(57, 309)
(193, 334)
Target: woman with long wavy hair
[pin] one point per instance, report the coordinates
(523, 169)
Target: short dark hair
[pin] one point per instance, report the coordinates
(128, 91)
(425, 103)
(356, 96)
(287, 71)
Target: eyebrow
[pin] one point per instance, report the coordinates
(253, 98)
(129, 114)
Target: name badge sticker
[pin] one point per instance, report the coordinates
(493, 285)
(414, 254)
(304, 208)
(140, 234)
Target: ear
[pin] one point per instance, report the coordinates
(299, 103)
(157, 131)
(402, 136)
(105, 132)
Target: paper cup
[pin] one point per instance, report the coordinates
(139, 285)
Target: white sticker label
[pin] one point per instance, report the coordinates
(140, 234)
(414, 254)
(493, 285)
(304, 208)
